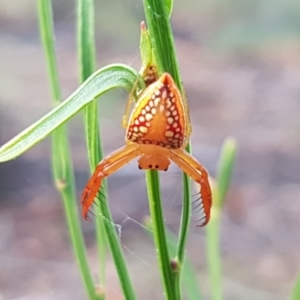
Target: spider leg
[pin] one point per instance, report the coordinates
(188, 127)
(106, 167)
(198, 173)
(127, 111)
(130, 101)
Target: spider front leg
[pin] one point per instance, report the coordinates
(131, 99)
(106, 167)
(198, 173)
(129, 103)
(188, 126)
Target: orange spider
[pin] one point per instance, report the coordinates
(158, 130)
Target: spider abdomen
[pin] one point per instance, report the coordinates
(159, 117)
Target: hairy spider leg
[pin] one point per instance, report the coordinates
(107, 166)
(198, 173)
(157, 130)
(149, 75)
(188, 126)
(130, 100)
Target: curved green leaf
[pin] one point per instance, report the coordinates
(105, 79)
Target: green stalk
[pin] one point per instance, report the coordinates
(296, 290)
(159, 233)
(214, 261)
(61, 162)
(117, 253)
(160, 32)
(86, 53)
(95, 152)
(161, 35)
(185, 217)
(189, 276)
(225, 169)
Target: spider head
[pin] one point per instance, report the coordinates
(153, 162)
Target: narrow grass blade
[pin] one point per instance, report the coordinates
(169, 4)
(226, 164)
(105, 79)
(296, 290)
(86, 59)
(157, 15)
(214, 262)
(61, 159)
(116, 250)
(159, 233)
(160, 31)
(189, 277)
(145, 48)
(85, 38)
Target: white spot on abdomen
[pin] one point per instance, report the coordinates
(143, 129)
(148, 117)
(169, 133)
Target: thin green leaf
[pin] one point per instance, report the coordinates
(145, 47)
(296, 290)
(86, 38)
(61, 159)
(157, 15)
(226, 163)
(116, 250)
(95, 152)
(105, 79)
(157, 217)
(169, 4)
(161, 36)
(86, 59)
(46, 32)
(225, 169)
(189, 276)
(213, 253)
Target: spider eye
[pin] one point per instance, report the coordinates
(140, 167)
(166, 169)
(153, 162)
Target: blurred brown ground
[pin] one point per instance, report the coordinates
(241, 67)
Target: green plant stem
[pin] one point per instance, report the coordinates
(213, 254)
(117, 252)
(189, 276)
(159, 233)
(160, 32)
(296, 290)
(86, 57)
(185, 217)
(161, 36)
(61, 162)
(225, 168)
(226, 164)
(86, 53)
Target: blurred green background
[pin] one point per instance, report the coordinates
(240, 62)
